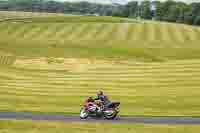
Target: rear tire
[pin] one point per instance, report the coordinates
(84, 113)
(111, 117)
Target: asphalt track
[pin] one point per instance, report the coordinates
(65, 118)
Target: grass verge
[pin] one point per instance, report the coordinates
(60, 127)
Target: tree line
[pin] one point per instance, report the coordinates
(169, 11)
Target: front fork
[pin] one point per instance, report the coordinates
(117, 109)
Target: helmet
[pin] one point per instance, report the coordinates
(90, 99)
(99, 93)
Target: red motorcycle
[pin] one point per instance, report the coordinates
(97, 109)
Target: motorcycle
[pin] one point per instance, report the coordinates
(96, 109)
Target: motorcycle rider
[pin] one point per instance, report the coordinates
(100, 106)
(104, 99)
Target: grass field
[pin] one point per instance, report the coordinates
(143, 88)
(51, 64)
(18, 14)
(141, 41)
(59, 127)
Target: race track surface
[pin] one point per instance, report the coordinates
(65, 118)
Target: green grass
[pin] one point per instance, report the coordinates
(59, 127)
(141, 41)
(151, 67)
(74, 19)
(150, 89)
(7, 15)
(7, 60)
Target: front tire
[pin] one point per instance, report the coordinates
(84, 113)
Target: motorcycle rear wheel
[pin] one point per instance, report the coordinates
(111, 116)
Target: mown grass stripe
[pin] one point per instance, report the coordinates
(140, 31)
(3, 26)
(171, 36)
(34, 33)
(165, 32)
(178, 33)
(25, 32)
(116, 81)
(16, 27)
(108, 88)
(76, 31)
(194, 35)
(91, 89)
(6, 60)
(112, 82)
(159, 33)
(21, 31)
(197, 31)
(99, 30)
(186, 34)
(150, 31)
(92, 32)
(136, 67)
(10, 28)
(112, 35)
(74, 28)
(85, 30)
(54, 29)
(106, 32)
(65, 94)
(147, 77)
(114, 72)
(122, 31)
(113, 76)
(45, 34)
(67, 30)
(130, 32)
(142, 77)
(58, 30)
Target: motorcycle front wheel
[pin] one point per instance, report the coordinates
(84, 113)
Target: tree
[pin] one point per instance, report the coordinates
(145, 10)
(189, 18)
(170, 11)
(197, 20)
(158, 12)
(176, 12)
(131, 9)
